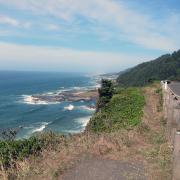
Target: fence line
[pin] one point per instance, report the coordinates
(172, 114)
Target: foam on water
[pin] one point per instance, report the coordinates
(41, 128)
(28, 99)
(83, 121)
(87, 108)
(69, 108)
(33, 128)
(72, 131)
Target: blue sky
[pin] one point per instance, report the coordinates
(86, 35)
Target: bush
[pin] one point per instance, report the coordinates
(12, 151)
(105, 93)
(123, 111)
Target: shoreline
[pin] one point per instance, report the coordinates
(64, 96)
(72, 96)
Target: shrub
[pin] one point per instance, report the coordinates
(123, 111)
(14, 150)
(105, 93)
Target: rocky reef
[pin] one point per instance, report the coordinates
(72, 96)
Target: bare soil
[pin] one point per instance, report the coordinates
(94, 167)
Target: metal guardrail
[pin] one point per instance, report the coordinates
(177, 96)
(168, 88)
(177, 107)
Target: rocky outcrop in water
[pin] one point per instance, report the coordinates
(73, 95)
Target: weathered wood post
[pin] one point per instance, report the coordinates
(176, 153)
(170, 113)
(175, 121)
(176, 156)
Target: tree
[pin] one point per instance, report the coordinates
(105, 93)
(162, 68)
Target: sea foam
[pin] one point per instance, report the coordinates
(28, 99)
(69, 108)
(87, 108)
(83, 121)
(41, 128)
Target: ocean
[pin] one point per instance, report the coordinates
(17, 108)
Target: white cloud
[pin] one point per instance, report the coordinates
(9, 21)
(52, 27)
(27, 25)
(14, 22)
(26, 57)
(134, 26)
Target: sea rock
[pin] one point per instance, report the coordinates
(75, 95)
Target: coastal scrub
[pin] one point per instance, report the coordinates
(12, 151)
(124, 110)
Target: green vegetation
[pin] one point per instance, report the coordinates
(160, 105)
(105, 93)
(12, 151)
(9, 134)
(164, 67)
(123, 111)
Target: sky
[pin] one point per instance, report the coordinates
(86, 35)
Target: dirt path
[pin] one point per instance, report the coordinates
(94, 168)
(151, 115)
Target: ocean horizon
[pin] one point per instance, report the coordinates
(17, 108)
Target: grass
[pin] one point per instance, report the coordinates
(12, 151)
(160, 96)
(159, 153)
(125, 110)
(159, 160)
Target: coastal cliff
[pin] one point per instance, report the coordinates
(118, 131)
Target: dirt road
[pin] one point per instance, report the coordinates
(94, 168)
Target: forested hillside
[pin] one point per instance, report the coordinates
(164, 67)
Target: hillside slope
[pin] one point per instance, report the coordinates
(164, 67)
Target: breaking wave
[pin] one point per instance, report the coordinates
(41, 128)
(87, 108)
(83, 121)
(28, 99)
(69, 108)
